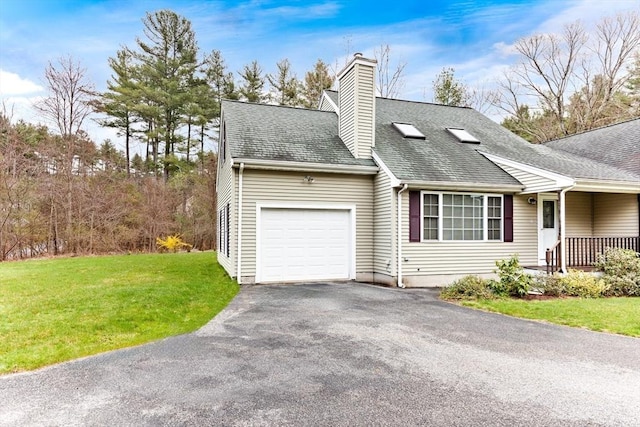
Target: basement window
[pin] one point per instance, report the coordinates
(408, 131)
(463, 135)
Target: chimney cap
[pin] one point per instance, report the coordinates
(357, 58)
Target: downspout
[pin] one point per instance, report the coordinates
(562, 227)
(399, 257)
(239, 251)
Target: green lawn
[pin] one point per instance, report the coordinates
(615, 315)
(60, 309)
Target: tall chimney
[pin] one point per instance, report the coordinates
(357, 106)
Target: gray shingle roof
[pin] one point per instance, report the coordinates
(333, 95)
(269, 132)
(440, 157)
(616, 145)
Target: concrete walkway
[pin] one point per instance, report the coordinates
(343, 355)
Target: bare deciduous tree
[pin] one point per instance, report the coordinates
(390, 76)
(572, 81)
(70, 93)
(548, 67)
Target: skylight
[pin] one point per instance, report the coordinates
(408, 131)
(463, 135)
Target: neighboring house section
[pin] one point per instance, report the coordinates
(408, 193)
(615, 145)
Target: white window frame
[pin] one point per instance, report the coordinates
(223, 230)
(485, 216)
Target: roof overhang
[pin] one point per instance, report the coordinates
(395, 182)
(463, 186)
(281, 165)
(603, 186)
(445, 185)
(529, 175)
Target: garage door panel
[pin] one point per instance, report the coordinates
(304, 244)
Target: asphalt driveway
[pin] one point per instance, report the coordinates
(343, 354)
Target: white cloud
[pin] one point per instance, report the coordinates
(20, 108)
(504, 49)
(325, 10)
(13, 84)
(588, 12)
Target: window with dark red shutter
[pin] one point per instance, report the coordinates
(439, 216)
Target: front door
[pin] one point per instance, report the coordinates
(547, 224)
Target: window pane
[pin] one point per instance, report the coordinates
(494, 221)
(548, 214)
(464, 219)
(430, 218)
(494, 232)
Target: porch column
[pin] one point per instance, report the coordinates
(561, 222)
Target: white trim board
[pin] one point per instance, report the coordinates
(560, 181)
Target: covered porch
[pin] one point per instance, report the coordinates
(577, 226)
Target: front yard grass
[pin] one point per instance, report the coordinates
(59, 309)
(614, 315)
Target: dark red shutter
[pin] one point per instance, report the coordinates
(414, 216)
(508, 218)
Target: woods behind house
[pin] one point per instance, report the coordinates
(63, 193)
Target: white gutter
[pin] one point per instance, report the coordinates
(399, 257)
(239, 251)
(603, 186)
(563, 227)
(464, 186)
(307, 167)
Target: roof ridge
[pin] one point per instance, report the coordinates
(592, 130)
(414, 102)
(424, 103)
(262, 104)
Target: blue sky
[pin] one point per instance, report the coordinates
(474, 37)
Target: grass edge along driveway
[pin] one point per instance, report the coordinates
(59, 309)
(619, 315)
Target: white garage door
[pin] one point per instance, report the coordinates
(304, 244)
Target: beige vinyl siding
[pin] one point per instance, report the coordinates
(579, 214)
(365, 111)
(533, 183)
(226, 194)
(383, 229)
(271, 186)
(615, 215)
(325, 105)
(455, 258)
(347, 105)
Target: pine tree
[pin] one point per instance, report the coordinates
(119, 100)
(252, 83)
(169, 59)
(316, 81)
(285, 85)
(449, 91)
